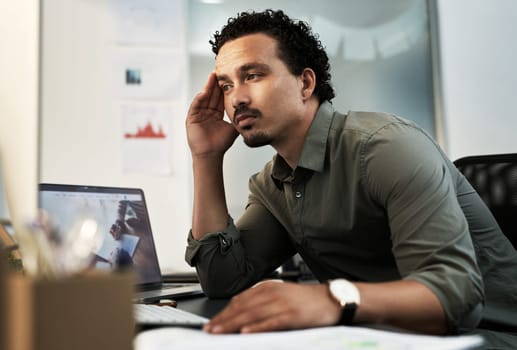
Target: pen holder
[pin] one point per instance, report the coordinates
(3, 268)
(86, 312)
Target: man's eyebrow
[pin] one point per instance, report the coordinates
(244, 69)
(251, 66)
(222, 77)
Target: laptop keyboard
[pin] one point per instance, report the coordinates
(148, 314)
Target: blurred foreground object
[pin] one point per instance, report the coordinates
(9, 247)
(83, 312)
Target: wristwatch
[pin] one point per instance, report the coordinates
(347, 295)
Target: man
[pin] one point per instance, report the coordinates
(369, 200)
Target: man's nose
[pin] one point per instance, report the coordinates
(240, 96)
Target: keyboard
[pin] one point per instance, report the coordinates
(155, 315)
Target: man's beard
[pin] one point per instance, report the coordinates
(257, 139)
(253, 139)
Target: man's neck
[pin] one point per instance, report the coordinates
(291, 149)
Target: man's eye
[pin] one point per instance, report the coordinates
(225, 87)
(252, 76)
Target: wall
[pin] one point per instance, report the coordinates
(81, 125)
(19, 58)
(77, 103)
(479, 75)
(81, 137)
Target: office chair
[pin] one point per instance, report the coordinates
(494, 177)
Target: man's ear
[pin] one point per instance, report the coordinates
(308, 83)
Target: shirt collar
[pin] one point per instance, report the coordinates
(314, 147)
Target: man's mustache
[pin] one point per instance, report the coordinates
(244, 110)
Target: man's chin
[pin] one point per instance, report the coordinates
(256, 140)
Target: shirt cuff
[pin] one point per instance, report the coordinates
(224, 240)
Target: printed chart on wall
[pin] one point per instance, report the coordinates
(147, 69)
(146, 143)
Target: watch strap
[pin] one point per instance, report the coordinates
(347, 295)
(347, 314)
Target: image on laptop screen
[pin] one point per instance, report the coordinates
(122, 219)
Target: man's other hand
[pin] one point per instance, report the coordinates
(271, 306)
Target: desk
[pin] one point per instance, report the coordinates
(210, 307)
(206, 307)
(202, 305)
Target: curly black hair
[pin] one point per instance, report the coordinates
(298, 47)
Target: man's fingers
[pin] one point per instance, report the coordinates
(275, 323)
(216, 94)
(234, 321)
(253, 306)
(269, 318)
(239, 306)
(207, 104)
(270, 306)
(220, 106)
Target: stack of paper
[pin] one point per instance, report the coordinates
(330, 338)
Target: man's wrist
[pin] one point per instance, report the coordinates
(346, 295)
(208, 157)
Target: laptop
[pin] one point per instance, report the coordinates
(125, 239)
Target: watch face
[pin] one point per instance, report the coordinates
(347, 295)
(344, 292)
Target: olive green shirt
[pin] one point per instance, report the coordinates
(373, 198)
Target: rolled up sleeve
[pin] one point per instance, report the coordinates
(220, 261)
(232, 260)
(430, 235)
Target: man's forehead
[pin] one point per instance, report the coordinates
(253, 45)
(248, 52)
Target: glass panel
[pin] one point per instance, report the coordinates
(380, 56)
(379, 51)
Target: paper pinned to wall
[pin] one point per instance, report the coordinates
(144, 73)
(146, 140)
(149, 22)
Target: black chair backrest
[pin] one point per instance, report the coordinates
(494, 177)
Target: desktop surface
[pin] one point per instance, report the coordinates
(202, 306)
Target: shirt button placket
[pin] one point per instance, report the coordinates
(298, 205)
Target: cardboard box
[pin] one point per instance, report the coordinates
(88, 312)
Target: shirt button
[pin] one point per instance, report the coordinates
(298, 194)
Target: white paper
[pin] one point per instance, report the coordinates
(129, 243)
(147, 22)
(328, 338)
(144, 73)
(109, 248)
(146, 143)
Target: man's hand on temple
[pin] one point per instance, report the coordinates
(207, 132)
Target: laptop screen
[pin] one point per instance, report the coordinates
(122, 220)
